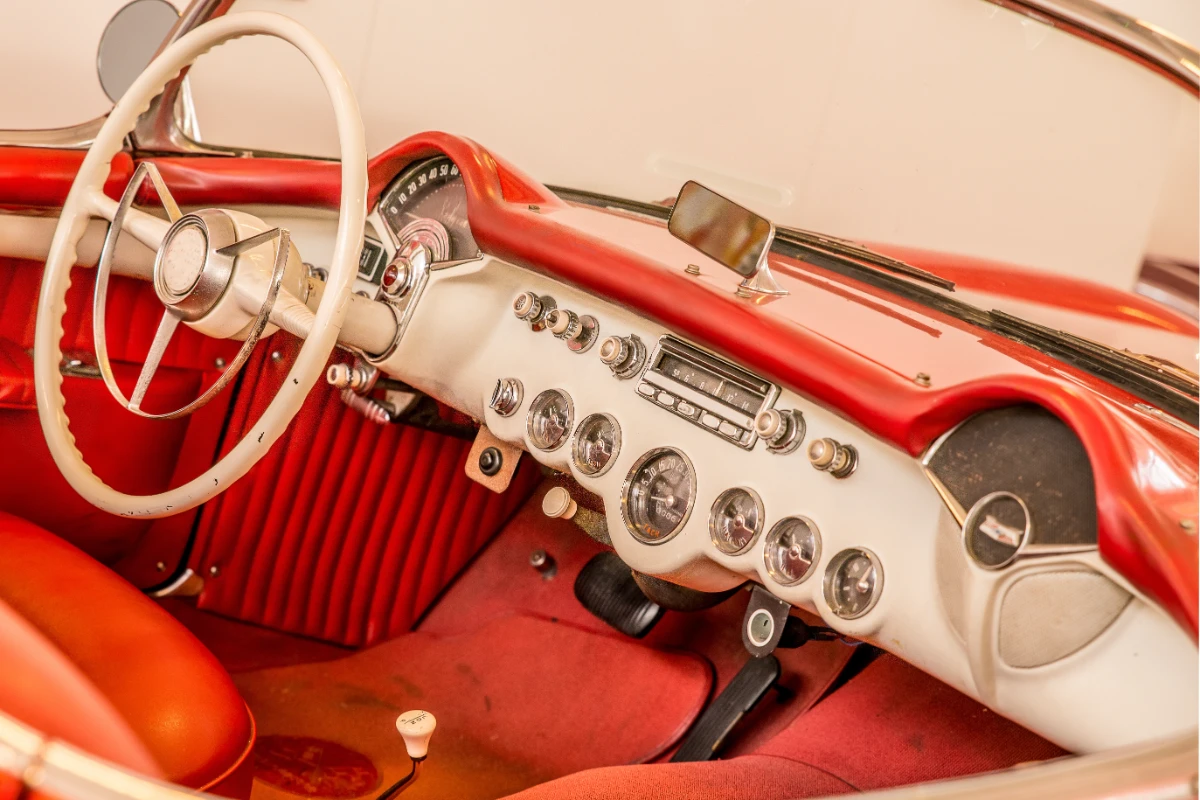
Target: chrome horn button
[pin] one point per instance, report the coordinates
(190, 272)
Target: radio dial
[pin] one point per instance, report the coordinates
(624, 355)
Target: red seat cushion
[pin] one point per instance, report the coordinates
(172, 692)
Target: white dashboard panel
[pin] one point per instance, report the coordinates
(464, 336)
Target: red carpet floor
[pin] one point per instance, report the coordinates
(528, 686)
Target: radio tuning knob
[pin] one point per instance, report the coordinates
(783, 431)
(624, 355)
(829, 455)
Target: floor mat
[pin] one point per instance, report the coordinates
(500, 582)
(519, 700)
(891, 725)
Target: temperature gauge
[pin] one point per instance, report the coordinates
(597, 442)
(737, 520)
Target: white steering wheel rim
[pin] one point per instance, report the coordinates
(80, 206)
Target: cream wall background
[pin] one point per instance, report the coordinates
(948, 124)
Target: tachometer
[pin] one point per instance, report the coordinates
(658, 496)
(430, 190)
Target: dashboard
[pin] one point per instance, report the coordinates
(977, 563)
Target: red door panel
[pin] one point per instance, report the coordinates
(347, 530)
(131, 453)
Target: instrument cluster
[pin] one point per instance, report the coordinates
(659, 491)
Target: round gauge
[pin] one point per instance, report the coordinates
(597, 442)
(429, 190)
(549, 419)
(792, 547)
(658, 496)
(996, 529)
(736, 521)
(853, 582)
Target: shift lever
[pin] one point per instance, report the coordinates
(416, 728)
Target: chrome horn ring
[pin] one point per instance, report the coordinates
(188, 288)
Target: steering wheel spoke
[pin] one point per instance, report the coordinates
(162, 337)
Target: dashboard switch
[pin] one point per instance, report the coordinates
(578, 332)
(646, 390)
(828, 455)
(557, 504)
(506, 396)
(531, 308)
(783, 431)
(710, 421)
(624, 355)
(666, 399)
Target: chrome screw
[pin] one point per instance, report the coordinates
(214, 570)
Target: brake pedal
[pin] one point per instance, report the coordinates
(606, 587)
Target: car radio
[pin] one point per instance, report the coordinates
(708, 391)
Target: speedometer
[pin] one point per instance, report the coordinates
(658, 496)
(431, 190)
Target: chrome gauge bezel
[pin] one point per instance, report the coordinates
(567, 427)
(977, 510)
(576, 439)
(831, 570)
(712, 519)
(776, 531)
(627, 484)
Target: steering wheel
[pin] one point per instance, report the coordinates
(222, 272)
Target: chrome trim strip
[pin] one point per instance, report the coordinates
(73, 137)
(1135, 39)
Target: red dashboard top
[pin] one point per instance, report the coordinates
(857, 351)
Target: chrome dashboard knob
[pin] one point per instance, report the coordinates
(507, 396)
(527, 306)
(783, 431)
(829, 455)
(579, 332)
(563, 323)
(624, 355)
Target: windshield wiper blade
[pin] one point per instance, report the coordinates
(1175, 389)
(849, 249)
(849, 253)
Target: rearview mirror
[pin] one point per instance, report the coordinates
(726, 232)
(720, 228)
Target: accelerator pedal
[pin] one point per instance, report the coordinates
(742, 694)
(605, 586)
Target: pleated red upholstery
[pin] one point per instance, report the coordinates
(133, 313)
(347, 530)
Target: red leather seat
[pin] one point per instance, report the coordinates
(175, 697)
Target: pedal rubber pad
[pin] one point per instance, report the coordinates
(605, 586)
(736, 700)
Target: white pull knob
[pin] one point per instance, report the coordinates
(416, 727)
(558, 504)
